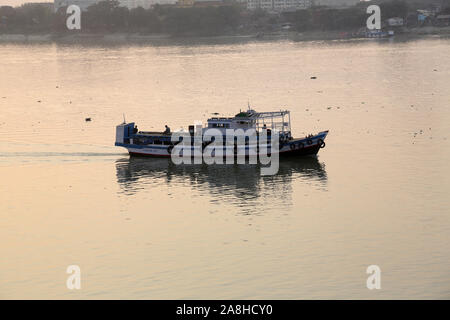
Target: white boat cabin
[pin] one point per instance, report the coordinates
(250, 119)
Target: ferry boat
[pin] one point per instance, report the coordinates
(160, 144)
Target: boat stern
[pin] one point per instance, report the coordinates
(123, 133)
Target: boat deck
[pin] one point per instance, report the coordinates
(153, 134)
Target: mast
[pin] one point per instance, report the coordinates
(289, 119)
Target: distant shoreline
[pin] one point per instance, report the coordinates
(119, 38)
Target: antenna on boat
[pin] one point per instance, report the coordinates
(248, 104)
(124, 118)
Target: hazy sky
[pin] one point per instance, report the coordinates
(19, 2)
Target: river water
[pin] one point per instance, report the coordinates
(377, 194)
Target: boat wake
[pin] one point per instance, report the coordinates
(60, 154)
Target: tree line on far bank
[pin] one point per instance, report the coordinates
(230, 18)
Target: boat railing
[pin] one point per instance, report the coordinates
(278, 120)
(153, 133)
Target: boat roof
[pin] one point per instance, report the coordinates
(252, 114)
(273, 114)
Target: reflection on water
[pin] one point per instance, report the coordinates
(237, 184)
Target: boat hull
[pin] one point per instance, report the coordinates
(292, 148)
(310, 151)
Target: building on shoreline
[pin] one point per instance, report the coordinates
(336, 3)
(279, 5)
(130, 4)
(83, 4)
(185, 3)
(267, 5)
(146, 4)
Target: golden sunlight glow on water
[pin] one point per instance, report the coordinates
(145, 228)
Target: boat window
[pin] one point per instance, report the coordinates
(157, 142)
